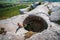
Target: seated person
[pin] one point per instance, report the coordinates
(19, 26)
(34, 5)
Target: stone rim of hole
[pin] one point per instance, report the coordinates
(38, 19)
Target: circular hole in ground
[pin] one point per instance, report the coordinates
(35, 23)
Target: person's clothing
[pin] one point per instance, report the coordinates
(17, 29)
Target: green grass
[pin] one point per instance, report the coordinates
(10, 11)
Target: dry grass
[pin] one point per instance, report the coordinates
(29, 34)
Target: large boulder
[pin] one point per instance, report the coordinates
(21, 32)
(42, 25)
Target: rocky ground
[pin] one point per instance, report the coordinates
(48, 11)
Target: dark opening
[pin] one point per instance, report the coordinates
(34, 23)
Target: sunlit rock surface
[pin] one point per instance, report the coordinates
(14, 36)
(10, 24)
(55, 8)
(51, 33)
(23, 11)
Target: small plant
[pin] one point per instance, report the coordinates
(31, 8)
(2, 31)
(28, 27)
(49, 12)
